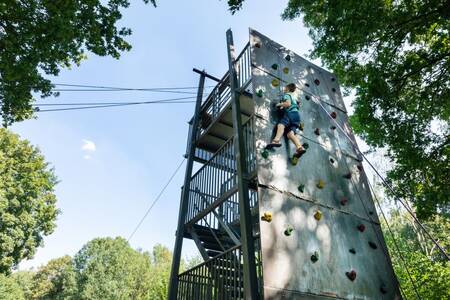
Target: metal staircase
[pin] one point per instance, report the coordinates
(218, 209)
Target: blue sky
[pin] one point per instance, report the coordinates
(113, 162)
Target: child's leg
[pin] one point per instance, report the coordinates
(291, 135)
(279, 134)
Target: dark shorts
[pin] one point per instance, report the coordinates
(291, 120)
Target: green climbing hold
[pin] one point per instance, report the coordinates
(287, 57)
(373, 245)
(259, 93)
(352, 251)
(265, 153)
(301, 188)
(275, 66)
(275, 82)
(315, 257)
(305, 145)
(286, 70)
(288, 231)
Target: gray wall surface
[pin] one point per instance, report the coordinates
(288, 271)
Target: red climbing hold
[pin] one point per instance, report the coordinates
(360, 167)
(348, 175)
(317, 131)
(343, 201)
(317, 81)
(333, 115)
(361, 227)
(351, 275)
(257, 45)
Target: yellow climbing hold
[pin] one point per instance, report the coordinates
(320, 184)
(318, 215)
(286, 70)
(267, 216)
(275, 82)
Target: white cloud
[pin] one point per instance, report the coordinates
(87, 156)
(88, 146)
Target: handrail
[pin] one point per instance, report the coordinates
(211, 259)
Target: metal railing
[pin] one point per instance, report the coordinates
(215, 180)
(219, 278)
(220, 96)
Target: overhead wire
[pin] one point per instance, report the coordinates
(156, 200)
(92, 105)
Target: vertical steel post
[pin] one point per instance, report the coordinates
(173, 284)
(248, 244)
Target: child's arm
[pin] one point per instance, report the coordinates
(286, 102)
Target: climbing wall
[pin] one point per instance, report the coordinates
(320, 234)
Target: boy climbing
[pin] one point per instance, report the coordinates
(289, 123)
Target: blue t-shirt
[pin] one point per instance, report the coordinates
(294, 105)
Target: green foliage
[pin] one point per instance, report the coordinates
(9, 289)
(105, 268)
(109, 268)
(55, 281)
(422, 268)
(25, 280)
(27, 201)
(396, 55)
(41, 37)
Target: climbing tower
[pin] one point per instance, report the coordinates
(268, 229)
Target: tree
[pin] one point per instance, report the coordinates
(41, 37)
(419, 266)
(9, 289)
(161, 261)
(25, 281)
(396, 56)
(27, 200)
(109, 268)
(56, 280)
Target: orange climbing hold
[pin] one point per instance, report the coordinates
(318, 215)
(361, 227)
(301, 126)
(267, 216)
(320, 184)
